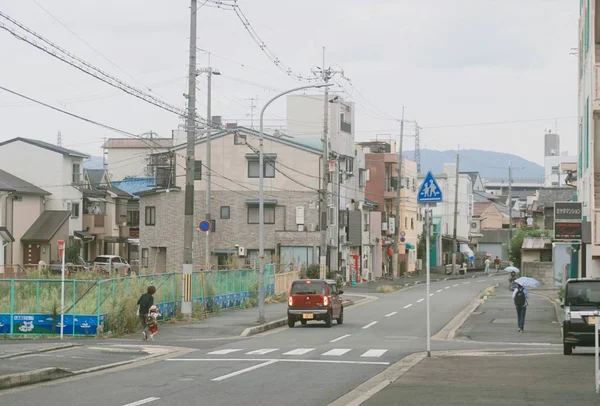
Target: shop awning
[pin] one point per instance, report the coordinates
(84, 235)
(256, 202)
(409, 246)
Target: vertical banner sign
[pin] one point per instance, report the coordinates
(187, 287)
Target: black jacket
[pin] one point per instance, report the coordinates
(145, 301)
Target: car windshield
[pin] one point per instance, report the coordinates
(308, 288)
(583, 293)
(102, 259)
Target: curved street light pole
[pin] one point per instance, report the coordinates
(261, 202)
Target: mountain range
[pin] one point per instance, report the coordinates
(489, 164)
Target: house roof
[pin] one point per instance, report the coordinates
(479, 196)
(46, 225)
(10, 183)
(536, 243)
(548, 195)
(310, 145)
(135, 185)
(480, 207)
(48, 146)
(118, 192)
(472, 175)
(93, 192)
(138, 143)
(96, 176)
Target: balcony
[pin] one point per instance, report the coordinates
(390, 185)
(94, 223)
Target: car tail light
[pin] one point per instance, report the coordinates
(290, 301)
(325, 301)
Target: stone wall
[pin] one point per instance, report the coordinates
(542, 271)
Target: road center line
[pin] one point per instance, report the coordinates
(369, 325)
(340, 338)
(438, 291)
(431, 294)
(407, 306)
(447, 287)
(242, 371)
(141, 402)
(455, 285)
(466, 283)
(420, 300)
(390, 314)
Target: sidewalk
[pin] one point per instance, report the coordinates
(405, 281)
(525, 374)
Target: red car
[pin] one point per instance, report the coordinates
(315, 299)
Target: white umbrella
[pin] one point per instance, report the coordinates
(528, 282)
(512, 269)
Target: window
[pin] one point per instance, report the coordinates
(225, 212)
(366, 221)
(197, 170)
(361, 178)
(412, 223)
(133, 218)
(150, 217)
(269, 214)
(76, 173)
(269, 169)
(350, 165)
(405, 223)
(554, 169)
(145, 257)
(75, 210)
(587, 133)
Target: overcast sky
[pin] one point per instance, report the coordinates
(453, 64)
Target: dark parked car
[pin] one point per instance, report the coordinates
(315, 299)
(582, 308)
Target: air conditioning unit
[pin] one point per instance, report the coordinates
(300, 215)
(241, 252)
(300, 227)
(311, 227)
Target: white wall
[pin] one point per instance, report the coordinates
(445, 210)
(124, 162)
(556, 179)
(25, 213)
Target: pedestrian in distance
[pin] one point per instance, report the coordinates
(488, 262)
(497, 264)
(520, 297)
(152, 321)
(144, 303)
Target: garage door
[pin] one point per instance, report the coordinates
(493, 249)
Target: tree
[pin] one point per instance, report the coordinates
(421, 245)
(517, 242)
(72, 252)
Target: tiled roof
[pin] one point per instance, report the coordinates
(549, 195)
(10, 183)
(480, 207)
(95, 176)
(46, 225)
(48, 146)
(536, 243)
(135, 185)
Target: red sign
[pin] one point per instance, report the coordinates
(61, 248)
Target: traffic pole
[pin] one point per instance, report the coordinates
(62, 291)
(428, 265)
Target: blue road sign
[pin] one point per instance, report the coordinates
(430, 191)
(204, 226)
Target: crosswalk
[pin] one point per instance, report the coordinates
(335, 352)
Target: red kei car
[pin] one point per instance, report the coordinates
(315, 299)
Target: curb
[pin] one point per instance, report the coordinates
(557, 307)
(438, 279)
(39, 351)
(52, 373)
(449, 330)
(32, 377)
(250, 331)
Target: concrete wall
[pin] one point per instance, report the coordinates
(124, 162)
(529, 256)
(541, 271)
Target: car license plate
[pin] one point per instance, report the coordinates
(307, 316)
(592, 320)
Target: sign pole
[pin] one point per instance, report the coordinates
(596, 356)
(61, 247)
(428, 265)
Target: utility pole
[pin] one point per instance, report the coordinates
(188, 231)
(252, 107)
(454, 239)
(510, 225)
(417, 148)
(396, 259)
(209, 73)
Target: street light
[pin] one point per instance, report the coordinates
(261, 203)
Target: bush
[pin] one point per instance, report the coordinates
(517, 242)
(313, 272)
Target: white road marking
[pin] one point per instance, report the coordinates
(337, 352)
(141, 402)
(481, 280)
(447, 287)
(299, 351)
(369, 325)
(431, 294)
(223, 352)
(407, 306)
(466, 283)
(340, 338)
(455, 285)
(390, 314)
(374, 353)
(420, 300)
(438, 291)
(309, 361)
(262, 351)
(243, 371)
(497, 279)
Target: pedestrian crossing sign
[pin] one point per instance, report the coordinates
(429, 191)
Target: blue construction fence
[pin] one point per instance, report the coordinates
(32, 306)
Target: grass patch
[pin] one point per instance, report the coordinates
(387, 289)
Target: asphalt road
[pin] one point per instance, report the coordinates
(306, 365)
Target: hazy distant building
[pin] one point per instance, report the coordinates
(551, 144)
